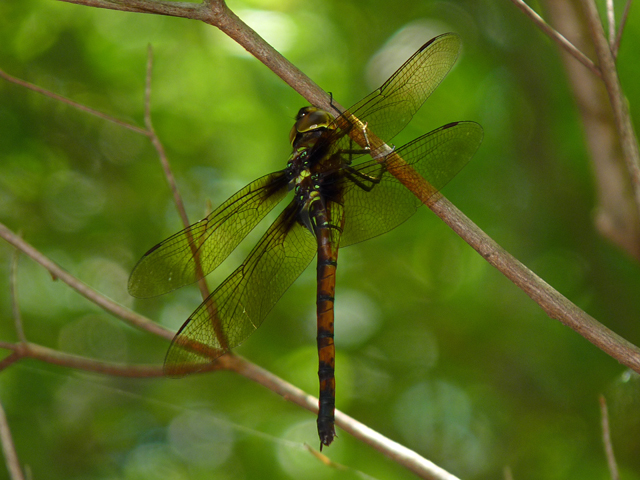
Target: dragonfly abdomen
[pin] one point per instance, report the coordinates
(328, 220)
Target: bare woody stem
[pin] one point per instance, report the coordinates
(557, 37)
(606, 440)
(173, 186)
(622, 116)
(623, 230)
(9, 449)
(217, 14)
(623, 21)
(107, 304)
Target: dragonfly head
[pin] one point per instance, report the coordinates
(310, 119)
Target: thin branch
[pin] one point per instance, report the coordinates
(174, 9)
(402, 455)
(551, 301)
(557, 37)
(606, 439)
(10, 359)
(398, 453)
(556, 305)
(71, 103)
(158, 145)
(89, 293)
(622, 117)
(13, 280)
(171, 180)
(55, 357)
(616, 217)
(611, 21)
(623, 21)
(9, 449)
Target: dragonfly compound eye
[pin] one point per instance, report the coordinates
(310, 119)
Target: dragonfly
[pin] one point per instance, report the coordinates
(343, 193)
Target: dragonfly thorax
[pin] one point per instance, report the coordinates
(305, 184)
(304, 179)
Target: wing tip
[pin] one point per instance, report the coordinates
(444, 36)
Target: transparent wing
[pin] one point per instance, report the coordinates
(389, 109)
(240, 304)
(376, 202)
(197, 250)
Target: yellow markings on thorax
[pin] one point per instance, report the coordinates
(302, 176)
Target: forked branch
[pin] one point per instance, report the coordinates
(621, 114)
(557, 36)
(618, 212)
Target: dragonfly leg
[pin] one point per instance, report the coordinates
(364, 181)
(366, 137)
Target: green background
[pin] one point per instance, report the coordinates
(436, 349)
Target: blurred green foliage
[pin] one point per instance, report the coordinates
(436, 349)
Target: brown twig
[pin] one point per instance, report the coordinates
(55, 357)
(615, 47)
(616, 216)
(9, 449)
(622, 117)
(606, 439)
(166, 168)
(10, 359)
(557, 37)
(611, 22)
(557, 306)
(71, 103)
(107, 304)
(177, 198)
(551, 301)
(174, 9)
(400, 454)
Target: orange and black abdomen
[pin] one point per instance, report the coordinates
(328, 228)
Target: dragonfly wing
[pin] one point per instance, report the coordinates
(389, 109)
(240, 304)
(197, 250)
(376, 202)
